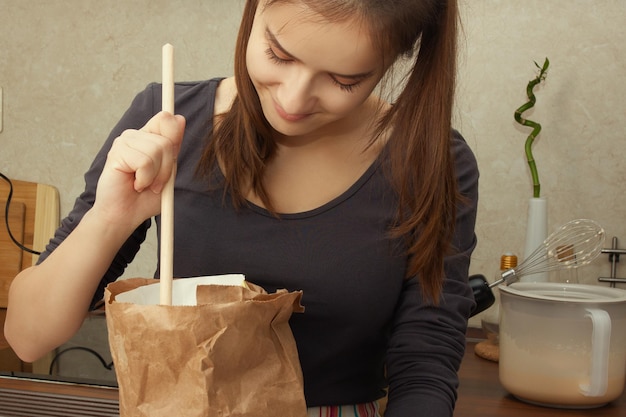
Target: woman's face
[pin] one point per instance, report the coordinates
(312, 76)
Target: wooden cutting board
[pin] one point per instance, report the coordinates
(10, 254)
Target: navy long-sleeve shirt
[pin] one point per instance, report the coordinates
(365, 326)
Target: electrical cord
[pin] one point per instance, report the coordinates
(108, 366)
(6, 217)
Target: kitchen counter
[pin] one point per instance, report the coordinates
(480, 394)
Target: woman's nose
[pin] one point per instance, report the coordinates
(296, 93)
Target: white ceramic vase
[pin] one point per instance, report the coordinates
(536, 233)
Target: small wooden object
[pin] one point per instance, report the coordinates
(488, 349)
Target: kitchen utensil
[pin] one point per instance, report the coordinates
(576, 243)
(572, 245)
(166, 267)
(562, 345)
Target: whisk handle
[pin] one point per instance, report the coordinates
(507, 277)
(483, 296)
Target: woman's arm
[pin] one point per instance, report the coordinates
(48, 302)
(428, 342)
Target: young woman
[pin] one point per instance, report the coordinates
(296, 174)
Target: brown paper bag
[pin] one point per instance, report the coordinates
(232, 354)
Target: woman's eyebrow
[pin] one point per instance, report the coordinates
(270, 36)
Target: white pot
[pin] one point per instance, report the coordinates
(563, 345)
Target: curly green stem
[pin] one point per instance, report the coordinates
(543, 72)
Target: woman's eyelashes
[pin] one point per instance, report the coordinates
(345, 87)
(278, 60)
(275, 58)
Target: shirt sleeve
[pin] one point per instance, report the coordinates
(428, 342)
(140, 111)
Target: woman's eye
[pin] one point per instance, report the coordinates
(280, 61)
(345, 87)
(275, 58)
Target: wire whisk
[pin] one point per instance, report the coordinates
(574, 244)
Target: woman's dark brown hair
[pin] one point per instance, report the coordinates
(419, 123)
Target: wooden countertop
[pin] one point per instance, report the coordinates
(480, 394)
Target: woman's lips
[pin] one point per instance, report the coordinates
(289, 117)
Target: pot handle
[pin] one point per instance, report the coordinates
(600, 344)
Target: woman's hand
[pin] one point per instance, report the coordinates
(138, 166)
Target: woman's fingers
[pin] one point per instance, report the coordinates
(140, 156)
(149, 153)
(138, 166)
(166, 125)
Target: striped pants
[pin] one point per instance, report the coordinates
(357, 410)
